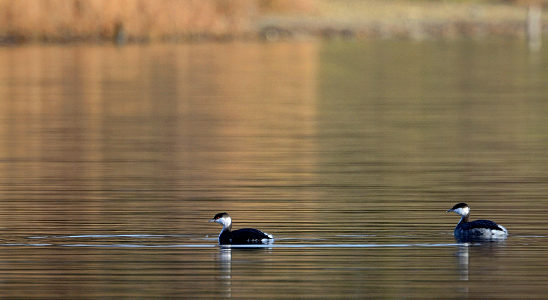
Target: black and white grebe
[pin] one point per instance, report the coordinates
(476, 230)
(240, 236)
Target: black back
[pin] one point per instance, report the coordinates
(242, 236)
(480, 224)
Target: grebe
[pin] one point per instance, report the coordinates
(476, 230)
(240, 236)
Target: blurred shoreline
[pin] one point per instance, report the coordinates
(131, 21)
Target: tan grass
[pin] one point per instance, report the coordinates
(152, 20)
(137, 19)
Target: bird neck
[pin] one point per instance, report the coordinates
(464, 219)
(227, 225)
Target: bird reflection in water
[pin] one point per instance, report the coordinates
(479, 252)
(252, 255)
(224, 263)
(463, 260)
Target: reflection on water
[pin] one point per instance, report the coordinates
(112, 160)
(463, 256)
(224, 269)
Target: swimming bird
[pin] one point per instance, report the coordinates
(240, 236)
(476, 230)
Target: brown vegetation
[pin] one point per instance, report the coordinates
(162, 20)
(60, 20)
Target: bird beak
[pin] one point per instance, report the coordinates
(211, 221)
(449, 210)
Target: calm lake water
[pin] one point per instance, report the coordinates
(113, 159)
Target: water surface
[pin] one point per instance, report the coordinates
(112, 159)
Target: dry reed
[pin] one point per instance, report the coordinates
(59, 20)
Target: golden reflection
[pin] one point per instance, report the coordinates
(92, 121)
(332, 142)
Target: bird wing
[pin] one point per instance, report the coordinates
(483, 224)
(248, 235)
